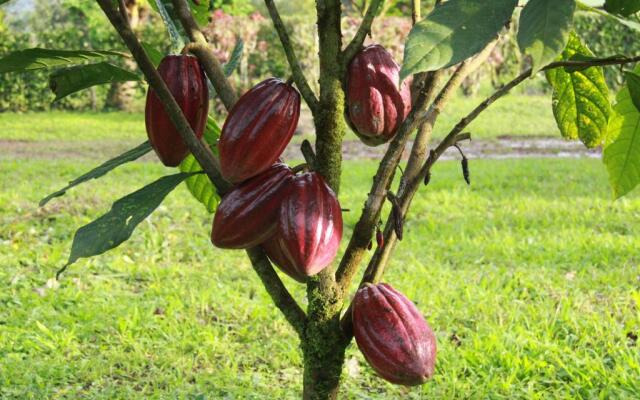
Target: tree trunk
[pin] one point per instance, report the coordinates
(324, 344)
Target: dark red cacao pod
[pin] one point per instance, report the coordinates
(310, 225)
(258, 129)
(247, 215)
(375, 105)
(187, 83)
(276, 251)
(393, 336)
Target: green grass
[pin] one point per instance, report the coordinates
(534, 269)
(514, 115)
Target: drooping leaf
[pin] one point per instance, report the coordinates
(622, 153)
(544, 29)
(37, 58)
(154, 54)
(200, 186)
(234, 60)
(580, 99)
(117, 225)
(102, 170)
(66, 81)
(453, 32)
(622, 7)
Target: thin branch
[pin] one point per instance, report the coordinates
(294, 63)
(365, 28)
(276, 289)
(416, 11)
(201, 49)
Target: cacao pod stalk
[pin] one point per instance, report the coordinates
(247, 215)
(187, 83)
(375, 105)
(309, 226)
(258, 129)
(393, 336)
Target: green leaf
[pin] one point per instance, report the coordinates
(580, 98)
(64, 82)
(154, 54)
(116, 226)
(102, 170)
(628, 23)
(3, 1)
(633, 83)
(234, 60)
(37, 58)
(622, 7)
(200, 186)
(165, 9)
(622, 154)
(453, 32)
(544, 29)
(200, 11)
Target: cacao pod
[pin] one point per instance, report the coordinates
(375, 105)
(393, 336)
(258, 129)
(309, 226)
(188, 85)
(247, 215)
(275, 250)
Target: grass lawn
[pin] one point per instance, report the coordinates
(530, 279)
(516, 114)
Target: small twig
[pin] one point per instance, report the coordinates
(365, 28)
(294, 63)
(123, 11)
(309, 155)
(396, 215)
(299, 168)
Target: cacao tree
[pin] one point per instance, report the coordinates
(289, 217)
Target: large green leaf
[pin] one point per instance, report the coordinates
(200, 186)
(102, 170)
(37, 58)
(66, 81)
(622, 154)
(453, 32)
(116, 226)
(544, 29)
(580, 98)
(622, 7)
(633, 83)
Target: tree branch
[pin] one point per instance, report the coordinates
(365, 28)
(276, 289)
(201, 49)
(294, 63)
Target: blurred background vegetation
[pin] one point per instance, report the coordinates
(78, 24)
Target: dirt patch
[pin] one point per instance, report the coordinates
(503, 147)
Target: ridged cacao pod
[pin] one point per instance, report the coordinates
(393, 336)
(247, 215)
(276, 251)
(375, 105)
(309, 226)
(258, 129)
(187, 83)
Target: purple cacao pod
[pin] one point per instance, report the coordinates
(309, 226)
(247, 215)
(393, 336)
(186, 82)
(258, 129)
(375, 105)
